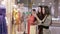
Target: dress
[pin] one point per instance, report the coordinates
(30, 21)
(3, 25)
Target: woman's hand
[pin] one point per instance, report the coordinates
(34, 15)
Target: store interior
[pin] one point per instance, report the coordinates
(26, 6)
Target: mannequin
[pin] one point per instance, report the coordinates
(16, 20)
(21, 10)
(3, 25)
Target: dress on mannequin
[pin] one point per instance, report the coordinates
(3, 25)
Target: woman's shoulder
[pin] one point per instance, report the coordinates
(49, 16)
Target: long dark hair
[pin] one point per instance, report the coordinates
(47, 10)
(41, 15)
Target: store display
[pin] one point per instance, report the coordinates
(16, 17)
(18, 21)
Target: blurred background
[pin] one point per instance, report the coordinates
(54, 6)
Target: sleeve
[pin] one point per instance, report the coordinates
(47, 21)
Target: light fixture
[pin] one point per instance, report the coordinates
(43, 0)
(50, 3)
(18, 0)
(3, 2)
(33, 3)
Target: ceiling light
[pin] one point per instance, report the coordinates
(50, 3)
(33, 3)
(43, 0)
(3, 2)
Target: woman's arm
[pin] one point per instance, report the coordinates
(47, 22)
(44, 18)
(37, 18)
(41, 20)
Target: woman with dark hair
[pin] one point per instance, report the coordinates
(31, 20)
(43, 19)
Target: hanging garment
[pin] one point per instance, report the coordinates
(3, 25)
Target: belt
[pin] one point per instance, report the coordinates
(42, 26)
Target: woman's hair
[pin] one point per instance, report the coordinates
(41, 9)
(41, 15)
(47, 10)
(33, 10)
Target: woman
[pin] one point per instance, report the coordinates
(43, 18)
(31, 20)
